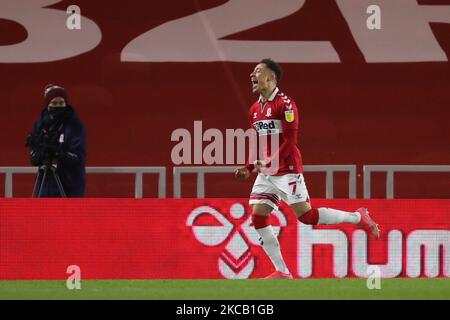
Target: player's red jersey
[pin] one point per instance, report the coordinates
(278, 118)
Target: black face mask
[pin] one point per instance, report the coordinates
(58, 113)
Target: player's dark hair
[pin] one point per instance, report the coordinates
(275, 67)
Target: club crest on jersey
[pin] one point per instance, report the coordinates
(269, 112)
(289, 115)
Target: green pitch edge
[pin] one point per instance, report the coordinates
(437, 288)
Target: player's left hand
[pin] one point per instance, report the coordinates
(260, 165)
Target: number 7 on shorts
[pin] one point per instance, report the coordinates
(294, 186)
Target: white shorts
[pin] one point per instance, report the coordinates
(290, 188)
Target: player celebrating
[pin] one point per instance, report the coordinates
(280, 175)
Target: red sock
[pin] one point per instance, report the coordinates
(260, 221)
(311, 217)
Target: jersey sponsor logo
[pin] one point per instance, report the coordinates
(289, 115)
(265, 127)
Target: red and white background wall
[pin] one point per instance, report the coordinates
(137, 72)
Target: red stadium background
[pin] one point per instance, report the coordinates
(137, 71)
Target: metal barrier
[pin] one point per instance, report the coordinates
(390, 169)
(138, 171)
(201, 171)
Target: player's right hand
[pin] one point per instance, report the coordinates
(242, 173)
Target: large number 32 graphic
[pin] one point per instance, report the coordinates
(169, 41)
(48, 39)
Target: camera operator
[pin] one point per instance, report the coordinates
(58, 138)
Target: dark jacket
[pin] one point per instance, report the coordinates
(70, 166)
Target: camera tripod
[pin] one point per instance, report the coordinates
(49, 169)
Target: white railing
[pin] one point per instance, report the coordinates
(201, 171)
(390, 169)
(138, 171)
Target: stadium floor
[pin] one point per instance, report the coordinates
(437, 288)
